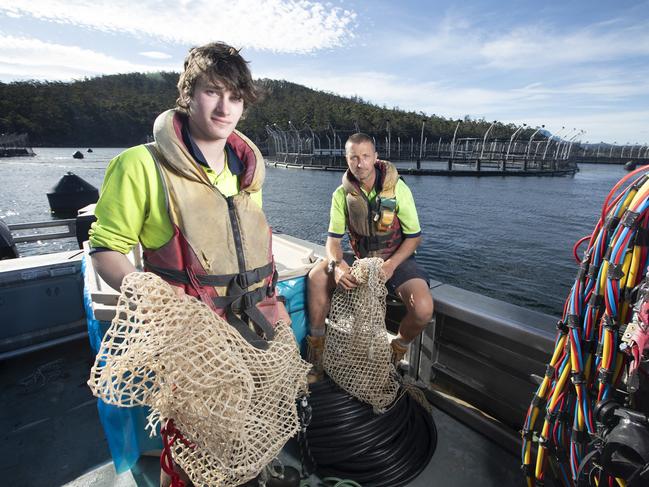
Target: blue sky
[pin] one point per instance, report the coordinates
(583, 65)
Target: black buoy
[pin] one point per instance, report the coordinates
(89, 149)
(78, 155)
(7, 245)
(630, 165)
(71, 193)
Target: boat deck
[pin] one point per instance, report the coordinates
(51, 434)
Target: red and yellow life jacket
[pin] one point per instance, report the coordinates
(221, 250)
(374, 229)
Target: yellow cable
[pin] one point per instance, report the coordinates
(540, 457)
(627, 201)
(603, 273)
(633, 268)
(641, 195)
(587, 367)
(559, 388)
(557, 351)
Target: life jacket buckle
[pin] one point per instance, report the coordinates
(247, 301)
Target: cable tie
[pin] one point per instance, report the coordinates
(615, 271)
(593, 270)
(573, 321)
(629, 219)
(543, 441)
(549, 371)
(527, 434)
(561, 327)
(600, 350)
(577, 378)
(583, 270)
(551, 416)
(604, 376)
(609, 323)
(595, 301)
(609, 251)
(612, 221)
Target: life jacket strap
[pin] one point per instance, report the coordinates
(374, 243)
(244, 303)
(244, 279)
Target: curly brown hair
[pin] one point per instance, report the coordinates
(220, 63)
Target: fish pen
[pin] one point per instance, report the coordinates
(307, 148)
(14, 145)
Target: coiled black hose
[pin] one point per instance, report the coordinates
(348, 440)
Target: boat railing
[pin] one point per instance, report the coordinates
(481, 359)
(36, 233)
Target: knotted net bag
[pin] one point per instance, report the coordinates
(234, 404)
(357, 352)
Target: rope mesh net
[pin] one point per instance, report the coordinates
(234, 404)
(357, 352)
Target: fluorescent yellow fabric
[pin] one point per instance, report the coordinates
(132, 207)
(406, 210)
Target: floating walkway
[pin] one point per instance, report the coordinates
(456, 169)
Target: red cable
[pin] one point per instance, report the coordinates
(617, 186)
(576, 246)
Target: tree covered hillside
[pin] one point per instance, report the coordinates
(119, 110)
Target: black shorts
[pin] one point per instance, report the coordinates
(408, 269)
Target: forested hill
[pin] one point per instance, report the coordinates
(119, 110)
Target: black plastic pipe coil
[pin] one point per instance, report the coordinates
(348, 440)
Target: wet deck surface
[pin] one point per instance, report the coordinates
(51, 435)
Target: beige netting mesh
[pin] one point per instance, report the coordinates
(235, 403)
(357, 351)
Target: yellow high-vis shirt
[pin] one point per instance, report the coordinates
(406, 211)
(132, 204)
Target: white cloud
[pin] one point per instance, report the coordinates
(29, 58)
(536, 45)
(155, 55)
(296, 26)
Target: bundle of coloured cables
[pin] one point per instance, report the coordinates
(348, 440)
(587, 366)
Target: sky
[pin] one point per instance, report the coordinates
(581, 68)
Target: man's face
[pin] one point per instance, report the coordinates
(214, 111)
(361, 158)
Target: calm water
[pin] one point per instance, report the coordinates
(509, 238)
